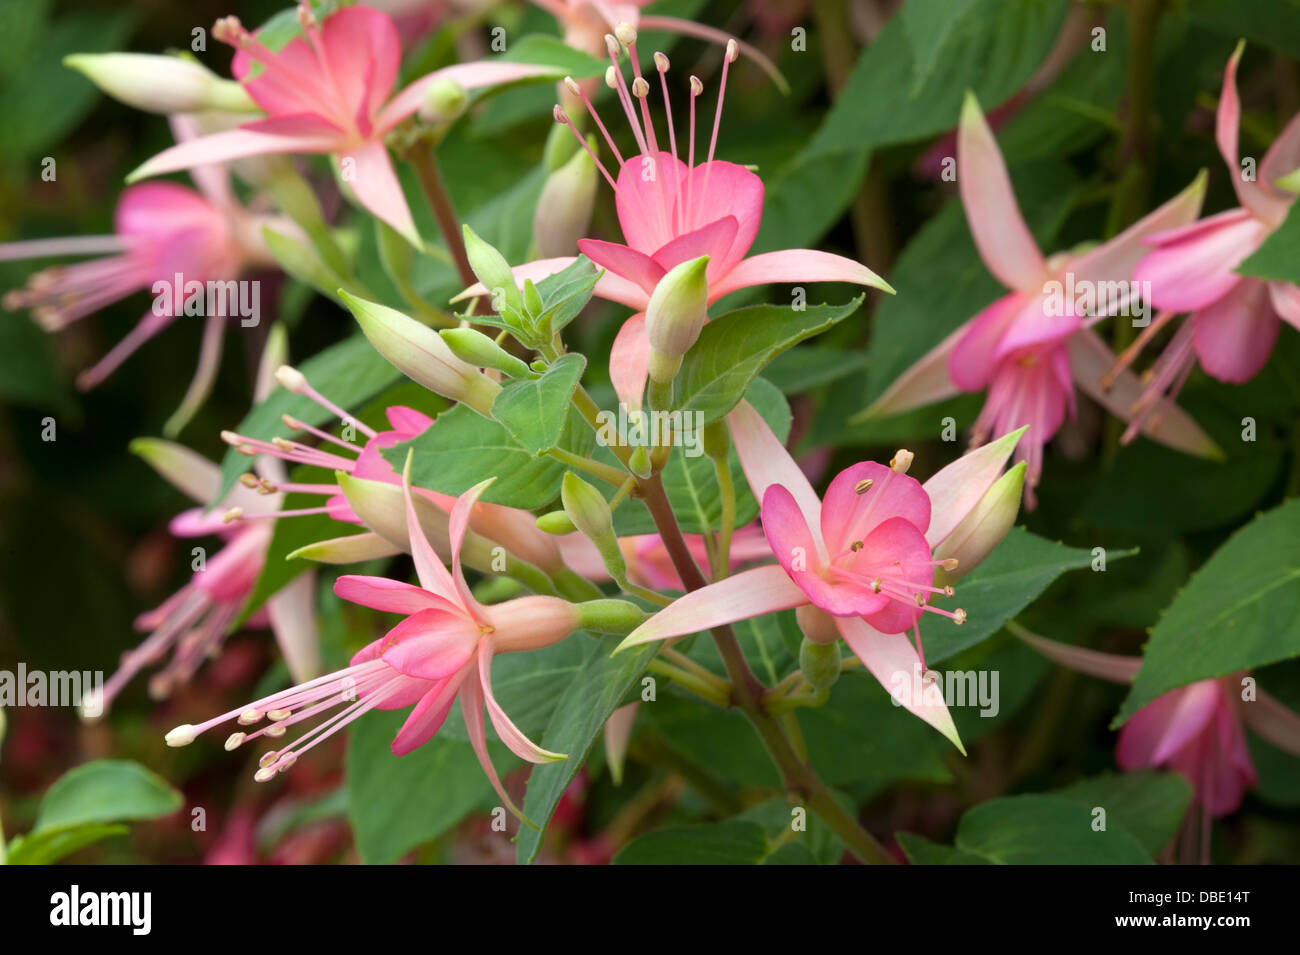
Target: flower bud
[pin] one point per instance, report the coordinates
(677, 311)
(478, 349)
(819, 663)
(419, 353)
(983, 528)
(1290, 182)
(591, 514)
(817, 625)
(610, 616)
(492, 270)
(556, 522)
(564, 207)
(161, 84)
(445, 100)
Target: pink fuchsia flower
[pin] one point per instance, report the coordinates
(165, 237)
(864, 556)
(1032, 347)
(672, 212)
(193, 623)
(1234, 318)
(328, 91)
(442, 650)
(1195, 730)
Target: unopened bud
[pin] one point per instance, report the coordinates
(819, 663)
(492, 269)
(161, 84)
(556, 522)
(564, 207)
(981, 530)
(676, 313)
(418, 352)
(445, 100)
(591, 515)
(478, 349)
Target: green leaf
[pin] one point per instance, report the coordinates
(802, 369)
(565, 293)
(54, 844)
(1278, 257)
(1149, 806)
(721, 843)
(1272, 23)
(733, 348)
(349, 373)
(552, 51)
(535, 411)
(1045, 830)
(1241, 610)
(921, 851)
(1020, 569)
(462, 448)
(396, 803)
(927, 24)
(103, 791)
(600, 687)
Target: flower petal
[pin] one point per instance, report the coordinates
(751, 593)
(636, 267)
(924, 383)
(765, 462)
(956, 489)
(1004, 241)
(302, 133)
(1104, 666)
(515, 741)
(891, 658)
(375, 184)
(848, 516)
(794, 265)
(390, 596)
(428, 715)
(1193, 267)
(471, 705)
(629, 361)
(431, 644)
(428, 565)
(1227, 122)
(1235, 335)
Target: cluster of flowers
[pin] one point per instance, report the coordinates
(863, 563)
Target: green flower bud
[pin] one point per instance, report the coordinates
(444, 101)
(161, 84)
(676, 313)
(564, 207)
(479, 349)
(610, 616)
(591, 514)
(492, 270)
(556, 522)
(820, 663)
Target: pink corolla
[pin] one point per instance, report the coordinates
(672, 212)
(864, 556)
(1195, 730)
(192, 624)
(442, 649)
(329, 91)
(1234, 318)
(165, 237)
(1032, 347)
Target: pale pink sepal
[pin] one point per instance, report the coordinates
(1104, 666)
(1272, 720)
(292, 610)
(956, 489)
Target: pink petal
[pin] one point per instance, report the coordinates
(626, 263)
(471, 76)
(1157, 731)
(973, 358)
(471, 705)
(1193, 267)
(713, 240)
(644, 195)
(431, 644)
(1235, 335)
(407, 422)
(213, 180)
(302, 133)
(891, 658)
(1004, 241)
(375, 184)
(751, 593)
(629, 361)
(458, 524)
(1283, 157)
(896, 552)
(428, 565)
(718, 190)
(795, 548)
(794, 265)
(766, 462)
(390, 596)
(1226, 125)
(363, 53)
(1286, 301)
(1104, 666)
(848, 516)
(515, 741)
(428, 715)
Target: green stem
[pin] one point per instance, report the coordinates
(677, 658)
(727, 491)
(687, 681)
(605, 472)
(425, 163)
(747, 692)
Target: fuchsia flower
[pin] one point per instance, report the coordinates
(442, 649)
(1195, 730)
(1032, 347)
(1234, 318)
(672, 212)
(327, 91)
(193, 623)
(162, 231)
(864, 556)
